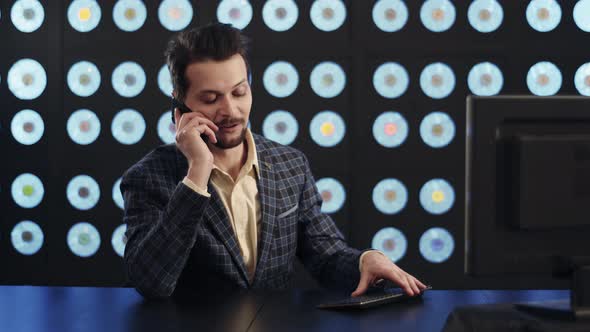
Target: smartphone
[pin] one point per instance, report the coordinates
(183, 109)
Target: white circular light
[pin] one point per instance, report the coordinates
(238, 13)
(27, 127)
(280, 15)
(327, 79)
(543, 15)
(83, 192)
(390, 196)
(27, 237)
(165, 81)
(332, 193)
(83, 127)
(390, 129)
(27, 79)
(437, 129)
(437, 15)
(391, 80)
(128, 126)
(437, 80)
(117, 196)
(436, 245)
(437, 196)
(27, 15)
(118, 240)
(391, 242)
(485, 79)
(166, 129)
(27, 190)
(582, 15)
(390, 15)
(83, 78)
(582, 79)
(128, 79)
(485, 15)
(327, 128)
(84, 15)
(129, 15)
(327, 15)
(83, 239)
(280, 126)
(175, 15)
(544, 79)
(280, 79)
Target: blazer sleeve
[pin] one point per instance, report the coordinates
(162, 219)
(321, 246)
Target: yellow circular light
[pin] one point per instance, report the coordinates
(438, 196)
(327, 129)
(84, 14)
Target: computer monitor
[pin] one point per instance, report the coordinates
(527, 209)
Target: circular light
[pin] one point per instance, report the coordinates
(390, 129)
(83, 239)
(128, 126)
(327, 128)
(280, 15)
(83, 78)
(280, 79)
(129, 15)
(485, 15)
(390, 15)
(436, 245)
(83, 192)
(327, 15)
(84, 15)
(166, 129)
(437, 129)
(543, 15)
(544, 79)
(83, 127)
(327, 79)
(437, 15)
(485, 79)
(27, 15)
(391, 242)
(391, 80)
(390, 196)
(582, 79)
(280, 126)
(238, 13)
(437, 196)
(27, 190)
(165, 81)
(175, 15)
(119, 240)
(27, 237)
(27, 127)
(27, 79)
(582, 15)
(117, 196)
(128, 79)
(437, 80)
(332, 193)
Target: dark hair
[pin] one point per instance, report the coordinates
(214, 41)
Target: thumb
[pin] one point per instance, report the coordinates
(362, 286)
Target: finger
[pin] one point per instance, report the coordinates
(420, 284)
(197, 121)
(362, 286)
(209, 123)
(186, 118)
(400, 280)
(413, 285)
(176, 117)
(204, 129)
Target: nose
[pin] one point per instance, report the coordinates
(227, 108)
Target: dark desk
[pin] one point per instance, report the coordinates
(25, 308)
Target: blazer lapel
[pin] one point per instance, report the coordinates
(267, 195)
(216, 216)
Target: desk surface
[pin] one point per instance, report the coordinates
(26, 308)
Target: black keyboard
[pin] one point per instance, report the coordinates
(376, 298)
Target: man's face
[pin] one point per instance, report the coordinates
(219, 91)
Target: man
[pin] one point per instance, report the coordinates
(223, 208)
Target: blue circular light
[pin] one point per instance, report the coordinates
(83, 192)
(485, 15)
(390, 241)
(175, 15)
(437, 15)
(544, 79)
(390, 196)
(485, 79)
(436, 245)
(333, 194)
(437, 129)
(543, 15)
(83, 78)
(280, 15)
(390, 15)
(165, 81)
(280, 126)
(83, 239)
(27, 127)
(117, 196)
(27, 15)
(128, 79)
(327, 15)
(238, 13)
(327, 79)
(27, 79)
(129, 15)
(582, 15)
(83, 127)
(118, 240)
(582, 79)
(27, 237)
(128, 126)
(437, 80)
(391, 80)
(280, 79)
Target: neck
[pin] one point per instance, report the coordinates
(230, 160)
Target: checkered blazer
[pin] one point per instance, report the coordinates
(179, 241)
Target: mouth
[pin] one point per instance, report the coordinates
(228, 127)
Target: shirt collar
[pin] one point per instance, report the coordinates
(251, 158)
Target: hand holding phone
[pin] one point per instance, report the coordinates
(183, 109)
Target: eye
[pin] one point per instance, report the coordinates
(240, 92)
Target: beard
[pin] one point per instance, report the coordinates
(231, 142)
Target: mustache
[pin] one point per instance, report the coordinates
(228, 122)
